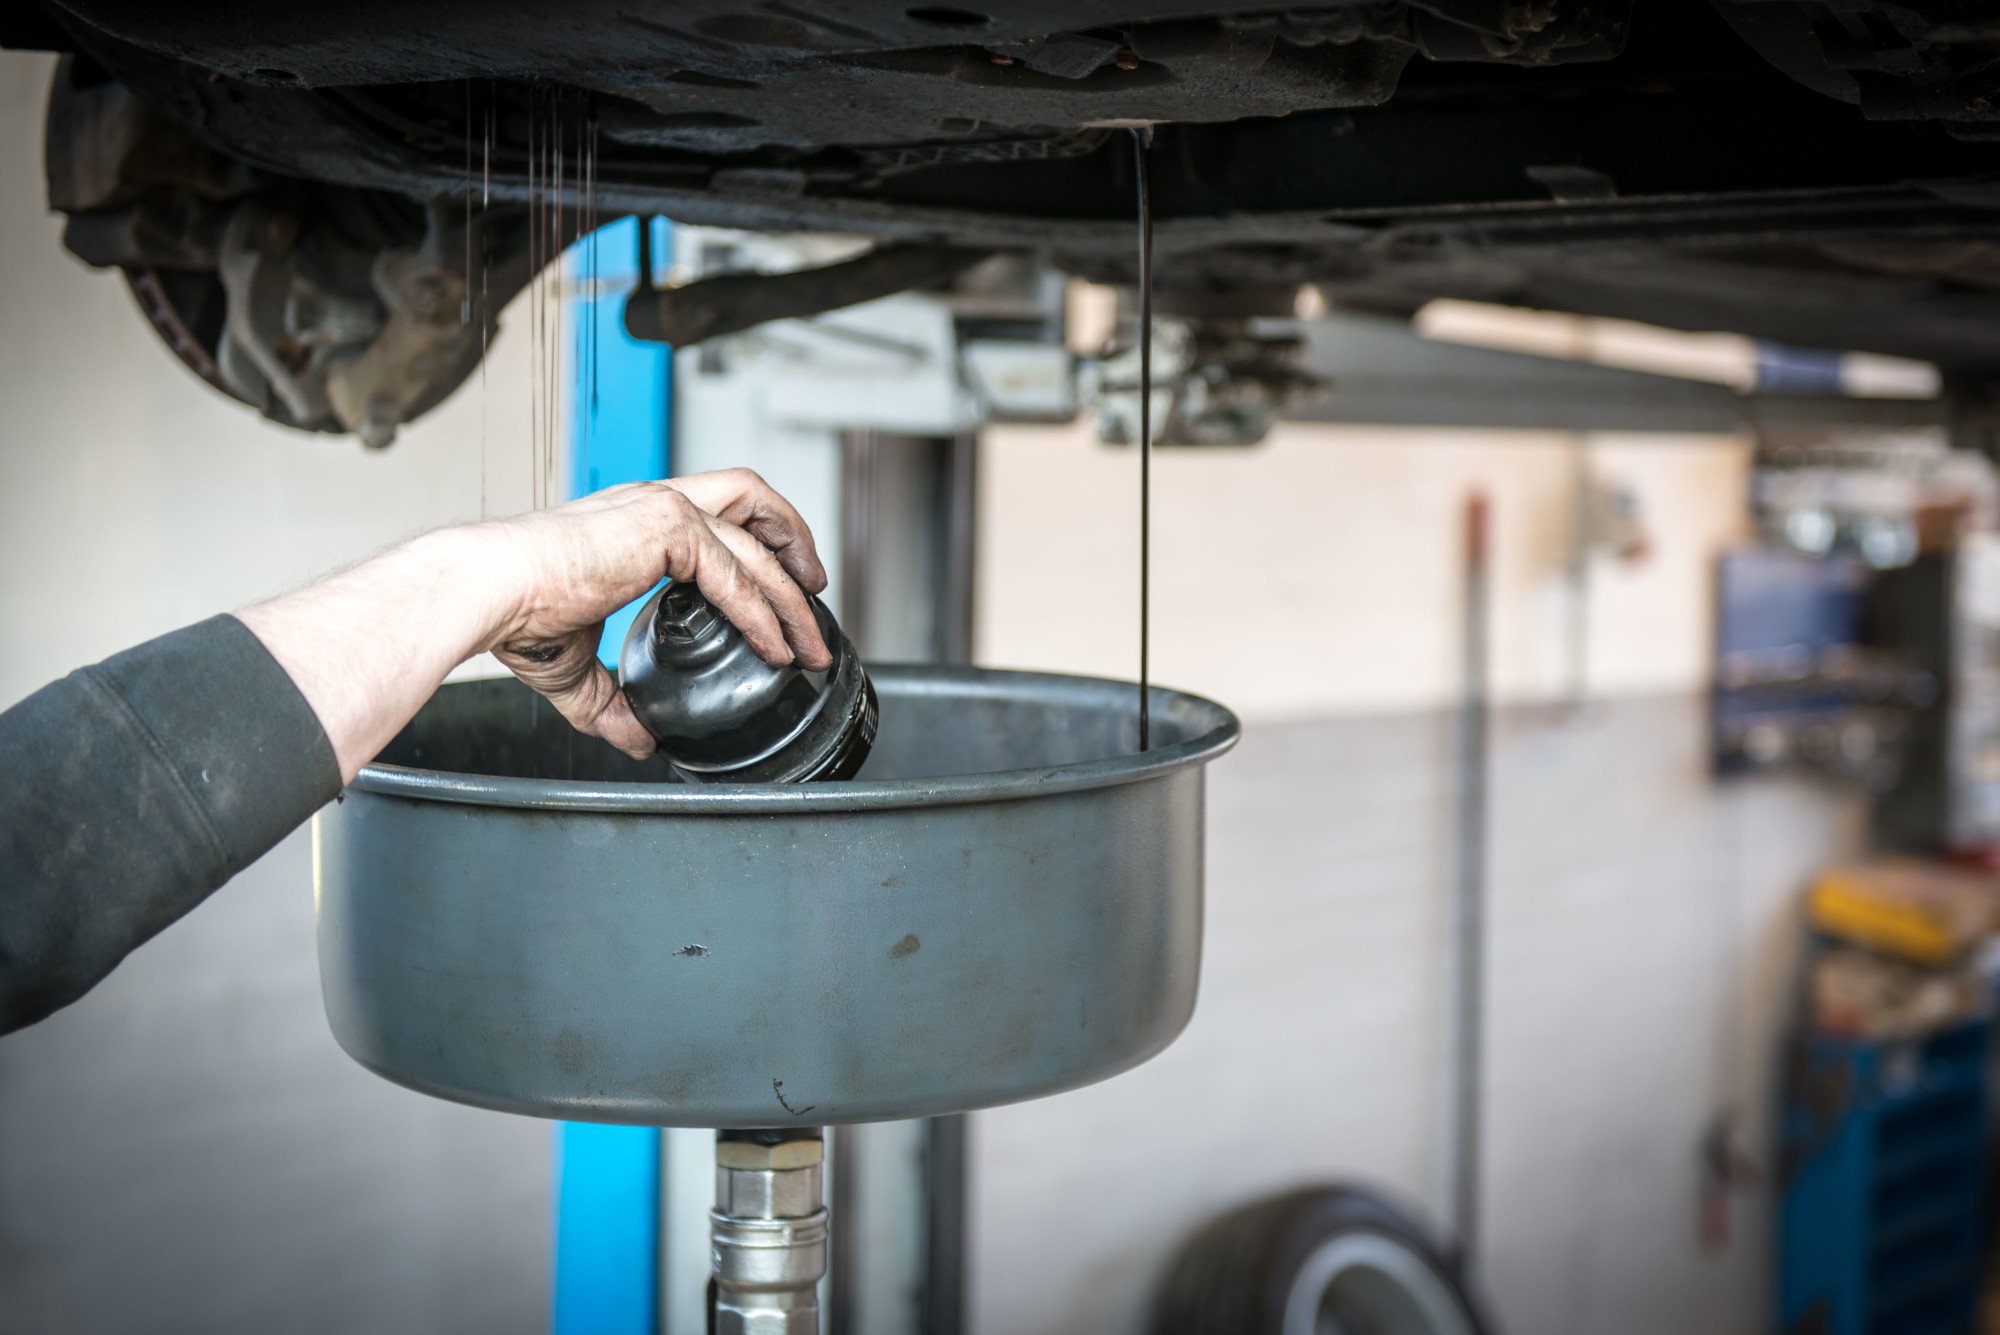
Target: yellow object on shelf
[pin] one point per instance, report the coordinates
(1924, 912)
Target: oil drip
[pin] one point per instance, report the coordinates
(1140, 137)
(485, 281)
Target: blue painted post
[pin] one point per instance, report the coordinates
(607, 1197)
(623, 422)
(607, 1230)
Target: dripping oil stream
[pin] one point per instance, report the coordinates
(485, 281)
(561, 209)
(466, 311)
(1139, 138)
(534, 293)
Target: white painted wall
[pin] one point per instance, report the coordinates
(1320, 572)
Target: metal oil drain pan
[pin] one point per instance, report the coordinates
(1005, 903)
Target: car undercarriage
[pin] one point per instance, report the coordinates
(322, 206)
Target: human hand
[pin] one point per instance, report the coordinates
(368, 645)
(561, 572)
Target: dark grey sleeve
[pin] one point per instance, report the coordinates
(132, 789)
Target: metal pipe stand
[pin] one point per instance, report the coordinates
(767, 1232)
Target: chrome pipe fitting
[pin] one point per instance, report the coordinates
(768, 1232)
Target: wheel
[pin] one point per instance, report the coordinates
(1316, 1261)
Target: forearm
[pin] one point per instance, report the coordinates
(368, 646)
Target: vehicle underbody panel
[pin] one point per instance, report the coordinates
(1821, 173)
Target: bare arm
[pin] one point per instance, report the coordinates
(369, 645)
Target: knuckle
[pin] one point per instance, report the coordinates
(734, 579)
(682, 557)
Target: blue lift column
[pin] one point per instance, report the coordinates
(607, 1178)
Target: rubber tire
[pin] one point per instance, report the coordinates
(1233, 1276)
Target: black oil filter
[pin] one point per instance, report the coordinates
(723, 715)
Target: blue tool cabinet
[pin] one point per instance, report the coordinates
(1883, 1162)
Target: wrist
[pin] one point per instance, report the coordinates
(473, 569)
